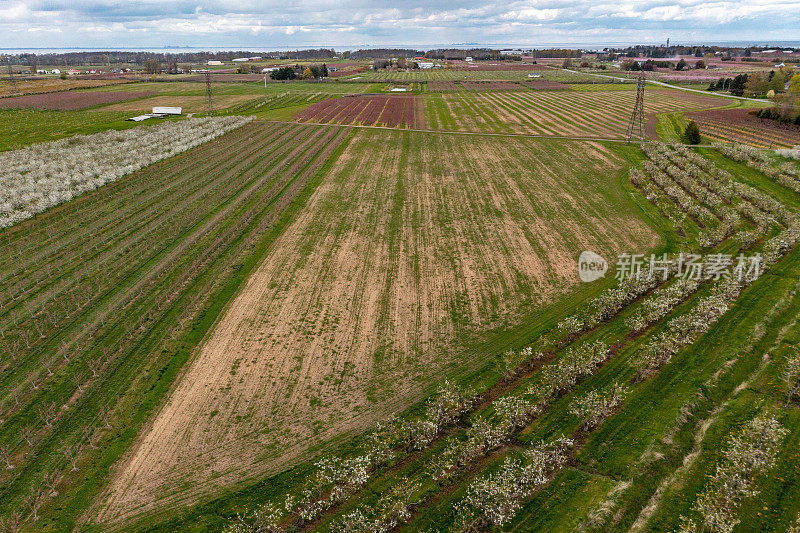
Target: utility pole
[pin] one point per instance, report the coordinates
(636, 125)
(210, 98)
(12, 81)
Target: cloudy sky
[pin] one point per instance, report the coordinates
(243, 23)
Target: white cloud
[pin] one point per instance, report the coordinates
(331, 22)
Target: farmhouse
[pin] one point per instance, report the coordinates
(425, 64)
(214, 62)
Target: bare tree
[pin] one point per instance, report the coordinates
(94, 365)
(28, 432)
(47, 413)
(791, 375)
(5, 456)
(71, 453)
(92, 436)
(51, 480)
(77, 377)
(104, 414)
(35, 500)
(11, 522)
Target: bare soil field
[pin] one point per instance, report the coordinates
(739, 125)
(190, 103)
(370, 298)
(70, 100)
(393, 111)
(48, 85)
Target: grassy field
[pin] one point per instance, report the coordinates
(598, 114)
(645, 466)
(120, 286)
(432, 277)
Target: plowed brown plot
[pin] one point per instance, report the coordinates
(385, 283)
(69, 100)
(191, 104)
(393, 111)
(48, 85)
(596, 114)
(738, 125)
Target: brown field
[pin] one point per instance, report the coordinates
(739, 125)
(392, 111)
(190, 103)
(70, 100)
(48, 85)
(377, 290)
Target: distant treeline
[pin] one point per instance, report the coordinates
(658, 51)
(111, 57)
(139, 58)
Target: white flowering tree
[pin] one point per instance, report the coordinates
(495, 499)
(595, 406)
(43, 175)
(748, 454)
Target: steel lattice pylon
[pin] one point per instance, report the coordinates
(636, 125)
(210, 102)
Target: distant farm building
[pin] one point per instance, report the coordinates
(468, 59)
(425, 64)
(55, 71)
(165, 110)
(214, 62)
(265, 70)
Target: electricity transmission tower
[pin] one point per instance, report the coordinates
(636, 125)
(210, 98)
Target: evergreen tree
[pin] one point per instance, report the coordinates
(692, 133)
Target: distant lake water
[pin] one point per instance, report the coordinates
(192, 49)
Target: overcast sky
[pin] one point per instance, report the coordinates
(243, 23)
